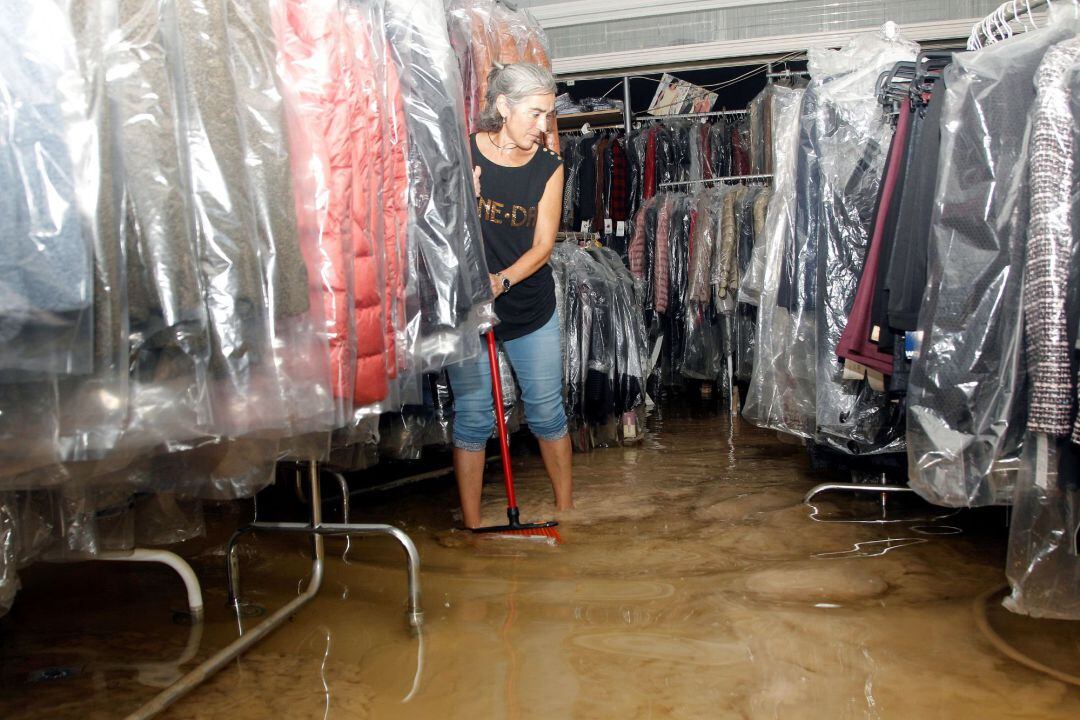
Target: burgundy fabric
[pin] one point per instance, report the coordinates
(855, 344)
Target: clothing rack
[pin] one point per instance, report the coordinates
(577, 237)
(786, 75)
(997, 25)
(681, 116)
(727, 180)
(589, 128)
(316, 529)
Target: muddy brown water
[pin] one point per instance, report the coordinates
(692, 583)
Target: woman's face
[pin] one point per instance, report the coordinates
(529, 119)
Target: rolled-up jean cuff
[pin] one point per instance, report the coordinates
(470, 446)
(552, 437)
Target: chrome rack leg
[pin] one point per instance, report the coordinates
(854, 487)
(415, 614)
(174, 561)
(344, 509)
(230, 652)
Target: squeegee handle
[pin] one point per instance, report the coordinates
(500, 420)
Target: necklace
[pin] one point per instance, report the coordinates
(501, 148)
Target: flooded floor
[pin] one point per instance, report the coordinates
(693, 583)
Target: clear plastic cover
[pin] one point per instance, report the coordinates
(702, 356)
(849, 137)
(51, 415)
(1044, 557)
(453, 291)
(775, 399)
(754, 277)
(9, 551)
(483, 32)
(300, 351)
(966, 410)
(604, 333)
(49, 172)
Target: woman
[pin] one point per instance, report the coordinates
(519, 186)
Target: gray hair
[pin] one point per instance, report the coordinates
(516, 81)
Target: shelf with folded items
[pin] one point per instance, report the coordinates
(574, 121)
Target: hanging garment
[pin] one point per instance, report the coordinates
(855, 340)
(635, 155)
(46, 281)
(308, 38)
(881, 333)
(452, 277)
(740, 148)
(599, 187)
(906, 278)
(752, 282)
(964, 409)
(366, 212)
(720, 140)
(636, 251)
(662, 256)
(649, 189)
(571, 162)
(620, 170)
(1049, 246)
(587, 183)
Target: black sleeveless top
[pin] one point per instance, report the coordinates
(508, 206)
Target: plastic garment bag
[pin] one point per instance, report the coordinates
(1051, 236)
(701, 354)
(453, 289)
(1044, 558)
(629, 331)
(849, 137)
(772, 400)
(295, 311)
(751, 281)
(589, 334)
(966, 413)
(63, 374)
(48, 171)
(744, 322)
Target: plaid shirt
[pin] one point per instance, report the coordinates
(620, 168)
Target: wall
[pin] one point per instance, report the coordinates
(590, 35)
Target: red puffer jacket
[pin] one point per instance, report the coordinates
(316, 63)
(366, 212)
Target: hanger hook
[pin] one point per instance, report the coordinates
(1031, 15)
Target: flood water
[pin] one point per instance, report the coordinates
(692, 583)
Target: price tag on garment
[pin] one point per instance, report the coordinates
(586, 225)
(1042, 462)
(912, 342)
(875, 334)
(608, 228)
(620, 229)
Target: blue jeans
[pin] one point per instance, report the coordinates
(537, 362)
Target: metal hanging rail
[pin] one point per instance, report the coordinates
(997, 25)
(680, 116)
(729, 179)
